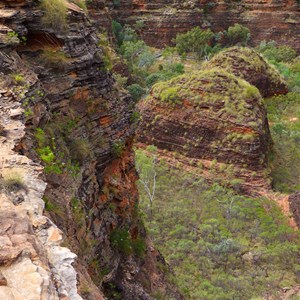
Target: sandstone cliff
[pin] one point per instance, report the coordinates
(79, 127)
(267, 19)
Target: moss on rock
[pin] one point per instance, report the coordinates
(224, 112)
(214, 89)
(251, 66)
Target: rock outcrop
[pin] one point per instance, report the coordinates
(210, 114)
(294, 204)
(249, 65)
(79, 127)
(276, 20)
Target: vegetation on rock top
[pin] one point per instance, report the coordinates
(216, 88)
(249, 65)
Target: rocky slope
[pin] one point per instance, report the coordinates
(267, 19)
(78, 125)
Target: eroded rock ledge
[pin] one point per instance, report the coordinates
(33, 264)
(78, 125)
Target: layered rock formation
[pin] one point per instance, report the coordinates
(249, 65)
(78, 125)
(210, 114)
(213, 122)
(267, 20)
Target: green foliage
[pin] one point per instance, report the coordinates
(118, 148)
(275, 53)
(136, 91)
(137, 54)
(13, 37)
(284, 117)
(57, 150)
(221, 245)
(55, 13)
(238, 34)
(196, 41)
(123, 242)
(134, 118)
(18, 78)
(78, 211)
(52, 207)
(291, 72)
(166, 72)
(117, 31)
(169, 94)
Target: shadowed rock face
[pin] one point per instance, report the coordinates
(294, 202)
(267, 20)
(210, 114)
(249, 65)
(59, 84)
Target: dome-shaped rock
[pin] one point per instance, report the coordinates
(210, 114)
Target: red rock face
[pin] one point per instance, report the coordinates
(209, 115)
(74, 100)
(266, 19)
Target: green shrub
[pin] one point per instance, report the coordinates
(238, 34)
(121, 240)
(153, 78)
(275, 53)
(136, 91)
(117, 31)
(55, 13)
(194, 41)
(18, 78)
(118, 148)
(169, 94)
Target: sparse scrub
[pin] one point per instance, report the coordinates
(220, 245)
(54, 59)
(11, 180)
(55, 13)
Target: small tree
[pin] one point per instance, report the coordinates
(238, 34)
(196, 41)
(146, 167)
